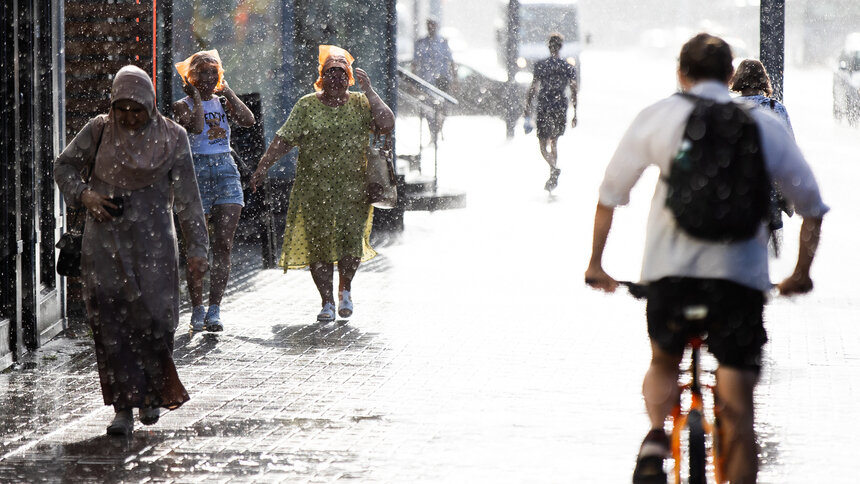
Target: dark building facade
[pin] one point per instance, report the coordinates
(31, 133)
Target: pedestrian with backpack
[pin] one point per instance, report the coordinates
(753, 84)
(706, 242)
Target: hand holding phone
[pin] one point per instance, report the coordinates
(115, 212)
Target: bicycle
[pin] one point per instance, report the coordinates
(692, 417)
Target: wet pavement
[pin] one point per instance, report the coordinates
(475, 353)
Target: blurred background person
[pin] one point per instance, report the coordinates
(551, 77)
(329, 217)
(432, 61)
(751, 81)
(138, 171)
(207, 116)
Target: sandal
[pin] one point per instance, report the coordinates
(327, 313)
(649, 463)
(345, 304)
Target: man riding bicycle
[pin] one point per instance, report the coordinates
(729, 278)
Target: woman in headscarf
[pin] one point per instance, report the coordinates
(207, 117)
(329, 217)
(131, 169)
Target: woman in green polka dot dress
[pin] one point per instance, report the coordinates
(329, 217)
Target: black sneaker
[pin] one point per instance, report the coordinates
(649, 464)
(553, 179)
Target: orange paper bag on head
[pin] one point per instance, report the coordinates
(339, 58)
(184, 67)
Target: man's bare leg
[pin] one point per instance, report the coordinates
(738, 448)
(660, 386)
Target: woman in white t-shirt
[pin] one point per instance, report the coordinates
(207, 116)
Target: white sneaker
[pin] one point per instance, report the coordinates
(345, 304)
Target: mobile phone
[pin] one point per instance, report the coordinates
(115, 212)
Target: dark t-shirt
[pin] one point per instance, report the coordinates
(554, 75)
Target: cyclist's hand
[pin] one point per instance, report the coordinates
(797, 283)
(597, 278)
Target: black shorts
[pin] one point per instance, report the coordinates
(550, 123)
(733, 326)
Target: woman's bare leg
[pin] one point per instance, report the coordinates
(224, 220)
(346, 269)
(323, 276)
(195, 282)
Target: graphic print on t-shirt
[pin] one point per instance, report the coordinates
(215, 137)
(216, 134)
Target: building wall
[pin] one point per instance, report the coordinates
(31, 294)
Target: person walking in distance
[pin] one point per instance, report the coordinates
(329, 215)
(728, 276)
(550, 79)
(206, 113)
(432, 61)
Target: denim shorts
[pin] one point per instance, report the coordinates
(218, 180)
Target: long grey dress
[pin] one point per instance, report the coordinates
(130, 270)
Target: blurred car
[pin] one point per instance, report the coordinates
(484, 92)
(846, 82)
(481, 92)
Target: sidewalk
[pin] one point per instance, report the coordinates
(476, 353)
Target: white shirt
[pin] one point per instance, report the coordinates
(653, 139)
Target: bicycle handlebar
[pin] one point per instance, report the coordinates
(638, 291)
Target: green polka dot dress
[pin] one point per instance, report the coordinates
(328, 216)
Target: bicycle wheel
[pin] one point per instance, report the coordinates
(697, 447)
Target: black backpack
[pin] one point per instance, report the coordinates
(718, 188)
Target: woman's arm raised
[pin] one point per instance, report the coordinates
(383, 117)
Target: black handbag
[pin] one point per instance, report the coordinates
(69, 260)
